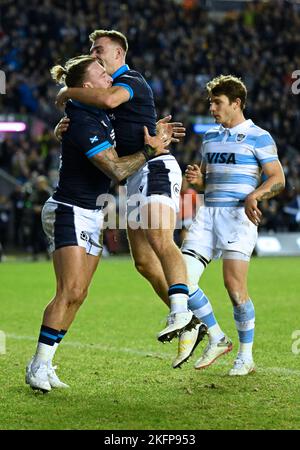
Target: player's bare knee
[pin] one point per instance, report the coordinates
(74, 295)
(163, 245)
(141, 266)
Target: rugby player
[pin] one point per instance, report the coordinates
(234, 154)
(131, 104)
(71, 218)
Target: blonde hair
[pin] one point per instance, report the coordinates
(73, 73)
(230, 86)
(114, 35)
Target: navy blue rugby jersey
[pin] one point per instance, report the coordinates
(90, 132)
(129, 118)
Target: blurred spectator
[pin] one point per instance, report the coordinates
(5, 213)
(260, 43)
(292, 210)
(17, 199)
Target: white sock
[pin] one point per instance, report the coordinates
(245, 351)
(43, 354)
(54, 350)
(178, 303)
(215, 334)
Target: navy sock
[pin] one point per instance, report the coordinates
(48, 335)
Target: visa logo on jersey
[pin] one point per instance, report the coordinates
(220, 158)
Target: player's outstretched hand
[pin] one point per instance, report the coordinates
(61, 127)
(155, 145)
(193, 174)
(62, 98)
(252, 211)
(176, 129)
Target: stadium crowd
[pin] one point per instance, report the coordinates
(178, 46)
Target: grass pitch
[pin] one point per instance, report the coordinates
(121, 377)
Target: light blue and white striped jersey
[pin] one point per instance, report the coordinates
(234, 158)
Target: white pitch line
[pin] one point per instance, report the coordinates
(96, 346)
(276, 370)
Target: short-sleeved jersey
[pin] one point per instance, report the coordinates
(129, 118)
(90, 132)
(234, 158)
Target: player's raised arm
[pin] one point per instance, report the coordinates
(120, 168)
(101, 98)
(274, 184)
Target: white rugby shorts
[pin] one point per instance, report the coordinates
(66, 225)
(158, 181)
(216, 230)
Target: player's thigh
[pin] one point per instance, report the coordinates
(139, 246)
(71, 268)
(158, 218)
(145, 259)
(92, 264)
(235, 273)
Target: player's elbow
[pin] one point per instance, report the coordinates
(109, 102)
(281, 182)
(116, 175)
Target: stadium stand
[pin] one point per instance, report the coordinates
(178, 46)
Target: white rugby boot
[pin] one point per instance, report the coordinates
(213, 351)
(53, 378)
(38, 378)
(175, 323)
(188, 341)
(241, 367)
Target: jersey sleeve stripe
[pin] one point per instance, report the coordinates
(264, 140)
(127, 87)
(93, 151)
(270, 159)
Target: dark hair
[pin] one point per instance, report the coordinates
(230, 86)
(73, 73)
(114, 35)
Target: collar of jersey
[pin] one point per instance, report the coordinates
(120, 71)
(89, 108)
(240, 127)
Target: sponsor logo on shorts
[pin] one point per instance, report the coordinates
(84, 236)
(176, 189)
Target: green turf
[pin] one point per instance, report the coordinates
(121, 377)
